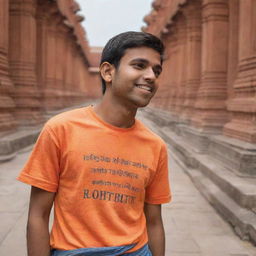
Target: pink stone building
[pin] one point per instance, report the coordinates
(44, 61)
(206, 103)
(208, 90)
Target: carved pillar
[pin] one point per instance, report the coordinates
(41, 18)
(7, 121)
(23, 61)
(75, 79)
(211, 114)
(165, 78)
(69, 71)
(53, 89)
(74, 83)
(61, 60)
(83, 79)
(233, 46)
(50, 95)
(193, 62)
(80, 73)
(64, 66)
(51, 55)
(243, 103)
(41, 31)
(181, 64)
(173, 69)
(48, 49)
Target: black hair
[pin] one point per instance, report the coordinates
(115, 48)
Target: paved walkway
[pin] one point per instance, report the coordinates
(192, 225)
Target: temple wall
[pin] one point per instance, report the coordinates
(207, 96)
(44, 61)
(211, 45)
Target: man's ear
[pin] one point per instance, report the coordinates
(107, 70)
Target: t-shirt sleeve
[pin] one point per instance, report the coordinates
(158, 191)
(42, 169)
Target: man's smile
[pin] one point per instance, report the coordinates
(145, 87)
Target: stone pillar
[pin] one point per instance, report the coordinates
(193, 63)
(233, 46)
(164, 94)
(173, 69)
(53, 90)
(74, 79)
(181, 64)
(23, 61)
(65, 65)
(41, 18)
(243, 104)
(83, 78)
(60, 60)
(164, 79)
(7, 121)
(69, 71)
(53, 64)
(211, 114)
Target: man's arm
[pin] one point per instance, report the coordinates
(155, 228)
(38, 238)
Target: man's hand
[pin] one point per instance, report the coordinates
(156, 236)
(38, 239)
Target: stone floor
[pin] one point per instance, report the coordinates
(192, 226)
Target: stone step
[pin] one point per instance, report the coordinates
(24, 138)
(231, 188)
(233, 196)
(241, 189)
(11, 144)
(160, 117)
(242, 220)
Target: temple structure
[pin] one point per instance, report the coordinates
(44, 61)
(206, 102)
(207, 92)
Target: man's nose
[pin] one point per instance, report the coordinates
(149, 75)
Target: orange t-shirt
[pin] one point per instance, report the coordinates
(102, 175)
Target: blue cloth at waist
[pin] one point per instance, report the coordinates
(104, 251)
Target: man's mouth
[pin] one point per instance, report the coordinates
(145, 87)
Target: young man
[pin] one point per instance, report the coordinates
(105, 172)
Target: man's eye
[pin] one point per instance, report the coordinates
(139, 65)
(157, 73)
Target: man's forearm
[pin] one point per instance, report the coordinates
(38, 238)
(156, 238)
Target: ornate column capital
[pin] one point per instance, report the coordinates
(215, 10)
(23, 7)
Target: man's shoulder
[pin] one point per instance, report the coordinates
(151, 135)
(66, 117)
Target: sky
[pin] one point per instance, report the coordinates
(107, 18)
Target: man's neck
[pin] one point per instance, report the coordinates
(115, 114)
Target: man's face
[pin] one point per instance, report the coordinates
(134, 82)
